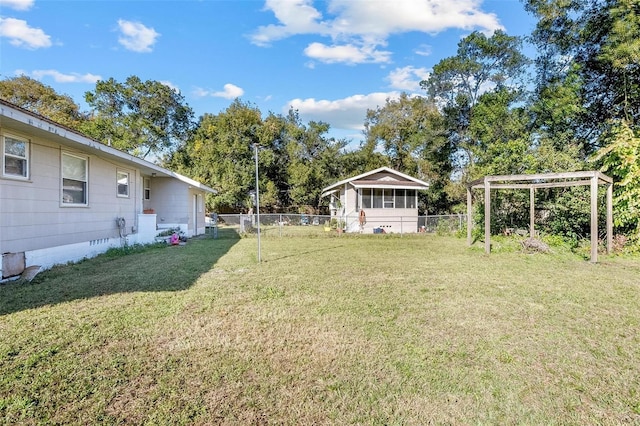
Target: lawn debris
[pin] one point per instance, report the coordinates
(533, 245)
(30, 273)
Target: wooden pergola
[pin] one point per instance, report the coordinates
(543, 180)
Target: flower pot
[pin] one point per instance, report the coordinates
(148, 211)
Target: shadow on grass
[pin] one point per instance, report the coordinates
(150, 268)
(303, 253)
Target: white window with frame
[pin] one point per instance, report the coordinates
(147, 188)
(388, 199)
(200, 203)
(15, 157)
(75, 180)
(122, 184)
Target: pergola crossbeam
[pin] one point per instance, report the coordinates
(586, 174)
(535, 185)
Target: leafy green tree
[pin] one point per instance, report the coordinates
(314, 160)
(621, 159)
(588, 91)
(273, 159)
(41, 99)
(503, 143)
(481, 64)
(621, 50)
(363, 159)
(557, 113)
(221, 155)
(139, 117)
(597, 42)
(410, 133)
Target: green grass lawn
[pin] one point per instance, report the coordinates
(368, 329)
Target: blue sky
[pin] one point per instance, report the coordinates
(331, 60)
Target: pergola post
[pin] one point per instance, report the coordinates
(594, 219)
(487, 216)
(469, 214)
(532, 211)
(609, 218)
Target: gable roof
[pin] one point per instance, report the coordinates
(31, 123)
(404, 182)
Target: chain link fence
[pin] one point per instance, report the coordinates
(446, 224)
(290, 224)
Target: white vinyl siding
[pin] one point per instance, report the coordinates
(75, 179)
(15, 157)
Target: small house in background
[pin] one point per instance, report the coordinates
(65, 197)
(381, 200)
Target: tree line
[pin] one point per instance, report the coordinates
(486, 110)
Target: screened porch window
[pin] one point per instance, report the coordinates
(388, 199)
(379, 198)
(74, 180)
(400, 198)
(411, 201)
(366, 198)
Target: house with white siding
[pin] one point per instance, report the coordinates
(381, 200)
(65, 197)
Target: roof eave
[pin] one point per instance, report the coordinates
(74, 139)
(371, 172)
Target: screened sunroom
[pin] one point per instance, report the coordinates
(382, 200)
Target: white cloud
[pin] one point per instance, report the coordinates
(230, 91)
(17, 4)
(59, 77)
(348, 113)
(136, 36)
(347, 53)
(407, 78)
(430, 16)
(360, 27)
(423, 50)
(199, 92)
(20, 34)
(295, 17)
